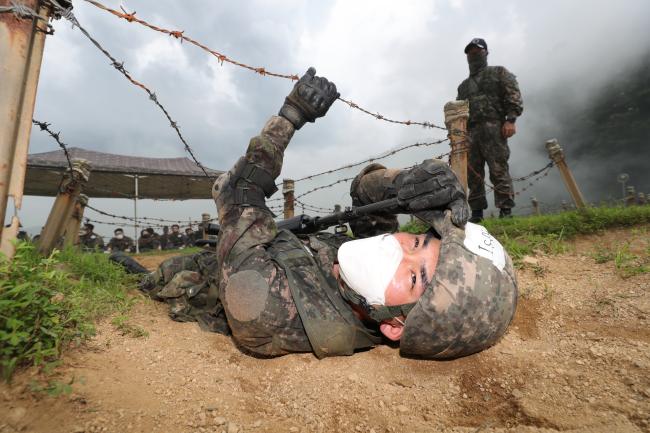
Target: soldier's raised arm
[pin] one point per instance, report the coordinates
(241, 193)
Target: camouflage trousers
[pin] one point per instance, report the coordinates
(487, 145)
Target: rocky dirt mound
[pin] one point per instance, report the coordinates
(575, 359)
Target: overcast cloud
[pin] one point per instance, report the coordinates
(401, 59)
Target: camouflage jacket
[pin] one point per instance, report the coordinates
(254, 288)
(91, 241)
(175, 240)
(493, 95)
(124, 244)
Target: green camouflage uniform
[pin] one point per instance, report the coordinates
(124, 244)
(148, 243)
(91, 241)
(175, 240)
(493, 95)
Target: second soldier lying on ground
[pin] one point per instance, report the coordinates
(447, 293)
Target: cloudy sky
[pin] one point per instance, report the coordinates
(401, 59)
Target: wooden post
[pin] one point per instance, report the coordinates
(21, 51)
(74, 223)
(205, 220)
(535, 204)
(63, 206)
(641, 199)
(557, 156)
(630, 196)
(456, 115)
(287, 192)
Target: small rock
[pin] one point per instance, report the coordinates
(16, 414)
(211, 408)
(402, 409)
(530, 260)
(464, 395)
(257, 423)
(294, 429)
(517, 394)
(353, 377)
(219, 420)
(232, 427)
(580, 362)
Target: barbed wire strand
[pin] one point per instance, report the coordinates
(22, 11)
(119, 66)
(57, 137)
(180, 34)
(372, 159)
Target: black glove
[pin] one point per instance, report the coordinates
(310, 99)
(433, 185)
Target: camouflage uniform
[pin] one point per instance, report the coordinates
(493, 95)
(91, 241)
(124, 244)
(175, 240)
(254, 287)
(148, 243)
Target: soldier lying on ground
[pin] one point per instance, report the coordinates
(447, 293)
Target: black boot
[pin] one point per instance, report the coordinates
(477, 216)
(505, 213)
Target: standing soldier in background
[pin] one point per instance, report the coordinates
(494, 105)
(120, 242)
(164, 237)
(89, 240)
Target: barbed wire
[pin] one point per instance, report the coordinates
(371, 159)
(313, 207)
(119, 66)
(143, 219)
(57, 137)
(542, 172)
(180, 35)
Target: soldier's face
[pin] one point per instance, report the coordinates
(415, 271)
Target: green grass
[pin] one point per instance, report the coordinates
(523, 236)
(50, 303)
(183, 252)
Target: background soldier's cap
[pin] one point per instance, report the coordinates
(89, 226)
(471, 300)
(476, 42)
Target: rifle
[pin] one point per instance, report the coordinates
(305, 224)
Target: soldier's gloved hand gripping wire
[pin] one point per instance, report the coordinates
(310, 99)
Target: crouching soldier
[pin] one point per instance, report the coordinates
(447, 293)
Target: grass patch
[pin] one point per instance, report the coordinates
(122, 324)
(523, 236)
(183, 252)
(629, 264)
(49, 303)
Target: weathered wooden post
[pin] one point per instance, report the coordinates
(557, 156)
(22, 40)
(205, 220)
(63, 206)
(74, 223)
(456, 115)
(630, 196)
(641, 199)
(535, 204)
(287, 192)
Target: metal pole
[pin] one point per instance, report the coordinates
(135, 215)
(535, 204)
(21, 49)
(287, 191)
(456, 115)
(557, 156)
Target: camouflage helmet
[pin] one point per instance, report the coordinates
(471, 300)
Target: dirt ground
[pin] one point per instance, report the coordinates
(575, 359)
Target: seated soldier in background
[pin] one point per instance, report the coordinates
(190, 237)
(164, 237)
(175, 239)
(147, 241)
(89, 240)
(449, 292)
(119, 242)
